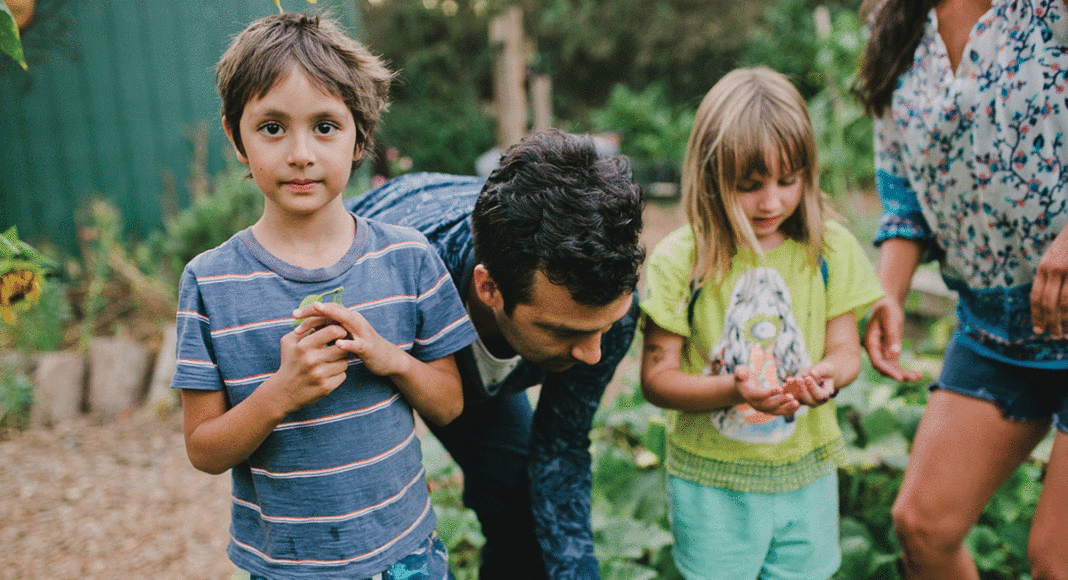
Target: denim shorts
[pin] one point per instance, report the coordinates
(1020, 393)
(722, 534)
(429, 562)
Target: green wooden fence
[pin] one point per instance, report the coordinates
(114, 92)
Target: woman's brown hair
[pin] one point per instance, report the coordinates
(896, 29)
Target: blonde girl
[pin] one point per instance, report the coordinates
(750, 329)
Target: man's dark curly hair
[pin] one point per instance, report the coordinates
(557, 206)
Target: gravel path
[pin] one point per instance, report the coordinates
(87, 502)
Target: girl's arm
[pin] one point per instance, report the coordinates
(217, 438)
(841, 351)
(839, 367)
(665, 385)
(432, 388)
(898, 259)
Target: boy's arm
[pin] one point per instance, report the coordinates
(217, 438)
(664, 384)
(431, 388)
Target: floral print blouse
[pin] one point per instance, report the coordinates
(972, 164)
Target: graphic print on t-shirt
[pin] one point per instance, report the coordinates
(759, 331)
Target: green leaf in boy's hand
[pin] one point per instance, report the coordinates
(310, 299)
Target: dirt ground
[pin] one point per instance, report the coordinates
(92, 501)
(119, 500)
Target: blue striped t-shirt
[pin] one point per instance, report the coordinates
(338, 488)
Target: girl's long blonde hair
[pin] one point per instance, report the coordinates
(747, 116)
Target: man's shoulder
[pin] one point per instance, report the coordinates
(425, 201)
(383, 234)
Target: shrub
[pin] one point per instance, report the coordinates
(16, 398)
(234, 204)
(446, 137)
(653, 134)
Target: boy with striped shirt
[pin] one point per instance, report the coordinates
(310, 406)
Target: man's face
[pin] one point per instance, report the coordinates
(555, 332)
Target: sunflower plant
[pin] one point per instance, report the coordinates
(10, 43)
(22, 273)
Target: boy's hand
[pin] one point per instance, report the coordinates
(760, 386)
(813, 386)
(309, 369)
(380, 356)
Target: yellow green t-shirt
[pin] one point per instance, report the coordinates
(776, 310)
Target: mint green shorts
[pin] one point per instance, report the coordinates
(733, 535)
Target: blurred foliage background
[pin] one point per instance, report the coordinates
(631, 67)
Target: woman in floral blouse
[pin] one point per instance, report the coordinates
(971, 116)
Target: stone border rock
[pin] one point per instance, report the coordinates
(114, 377)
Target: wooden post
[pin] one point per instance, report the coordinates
(506, 35)
(541, 97)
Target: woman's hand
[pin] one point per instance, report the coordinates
(882, 339)
(1049, 291)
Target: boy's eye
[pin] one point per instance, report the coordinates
(325, 128)
(271, 129)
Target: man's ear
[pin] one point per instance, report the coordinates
(358, 154)
(485, 288)
(229, 135)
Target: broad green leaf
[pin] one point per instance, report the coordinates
(986, 548)
(617, 570)
(10, 44)
(856, 557)
(848, 526)
(879, 423)
(884, 567)
(630, 538)
(656, 438)
(9, 244)
(1043, 449)
(891, 450)
(1004, 507)
(908, 418)
(1014, 537)
(457, 526)
(310, 299)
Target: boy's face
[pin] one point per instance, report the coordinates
(299, 143)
